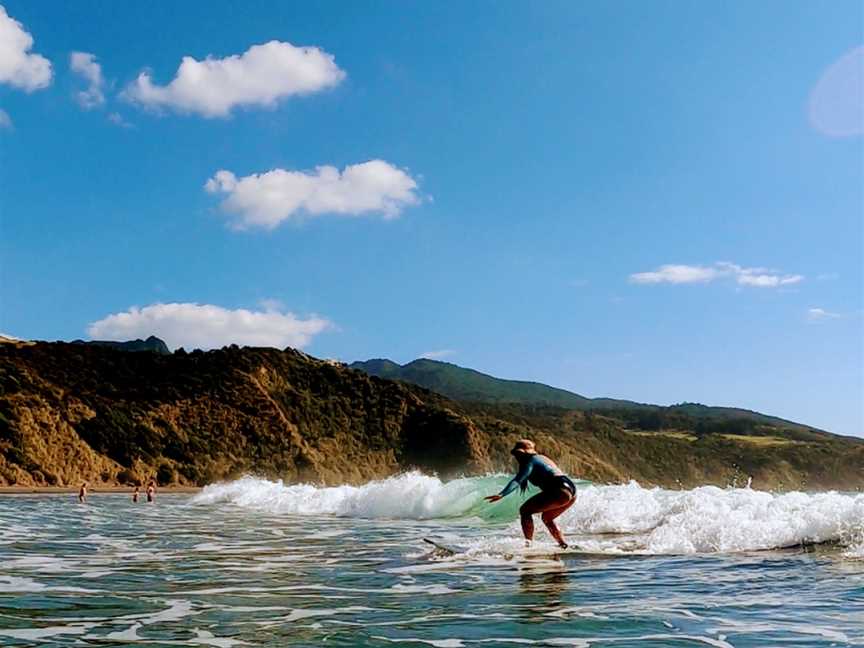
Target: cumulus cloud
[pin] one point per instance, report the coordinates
(837, 100)
(687, 274)
(267, 199)
(19, 68)
(85, 65)
(204, 326)
(820, 315)
(259, 77)
(5, 120)
(437, 355)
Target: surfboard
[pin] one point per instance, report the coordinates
(443, 549)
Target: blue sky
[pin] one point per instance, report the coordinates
(656, 201)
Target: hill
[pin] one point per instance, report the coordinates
(152, 343)
(464, 384)
(70, 412)
(76, 411)
(468, 385)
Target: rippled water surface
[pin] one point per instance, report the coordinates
(220, 570)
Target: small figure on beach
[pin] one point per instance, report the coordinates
(135, 494)
(82, 493)
(557, 490)
(151, 491)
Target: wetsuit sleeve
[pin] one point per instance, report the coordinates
(519, 479)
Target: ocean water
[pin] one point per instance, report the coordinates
(258, 563)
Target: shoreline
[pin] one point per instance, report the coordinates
(101, 490)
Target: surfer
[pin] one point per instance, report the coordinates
(135, 495)
(557, 490)
(82, 493)
(151, 491)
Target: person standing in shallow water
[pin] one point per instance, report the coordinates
(82, 493)
(135, 494)
(557, 490)
(151, 491)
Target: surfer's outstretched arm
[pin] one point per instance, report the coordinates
(519, 480)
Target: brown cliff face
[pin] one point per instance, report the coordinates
(73, 412)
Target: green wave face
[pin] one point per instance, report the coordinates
(408, 496)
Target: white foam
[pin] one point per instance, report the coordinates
(409, 496)
(656, 521)
(710, 519)
(856, 545)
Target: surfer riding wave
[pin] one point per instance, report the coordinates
(557, 490)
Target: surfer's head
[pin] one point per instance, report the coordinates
(523, 447)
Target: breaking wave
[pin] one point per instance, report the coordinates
(605, 518)
(410, 496)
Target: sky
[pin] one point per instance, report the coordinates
(657, 201)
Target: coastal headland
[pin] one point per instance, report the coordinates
(71, 412)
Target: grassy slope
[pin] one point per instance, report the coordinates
(597, 447)
(463, 384)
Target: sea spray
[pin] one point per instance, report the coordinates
(705, 519)
(711, 519)
(412, 496)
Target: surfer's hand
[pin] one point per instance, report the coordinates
(492, 498)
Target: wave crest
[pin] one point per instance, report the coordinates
(711, 519)
(658, 521)
(412, 496)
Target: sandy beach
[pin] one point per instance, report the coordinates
(91, 490)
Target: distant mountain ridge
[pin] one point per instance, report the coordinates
(469, 385)
(152, 343)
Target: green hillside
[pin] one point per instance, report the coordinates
(468, 385)
(463, 384)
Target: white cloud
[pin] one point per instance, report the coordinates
(117, 120)
(685, 274)
(5, 119)
(267, 199)
(758, 277)
(837, 100)
(85, 65)
(259, 77)
(205, 326)
(28, 72)
(820, 315)
(767, 280)
(676, 274)
(437, 355)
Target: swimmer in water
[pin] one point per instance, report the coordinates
(557, 490)
(82, 493)
(135, 494)
(151, 491)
